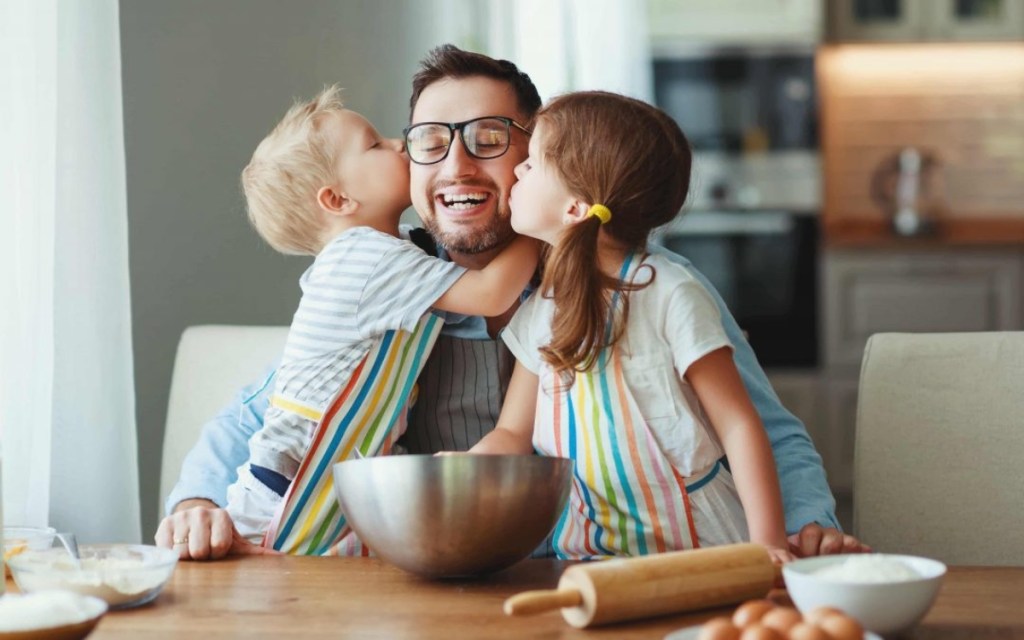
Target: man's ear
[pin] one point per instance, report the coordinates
(336, 202)
(576, 213)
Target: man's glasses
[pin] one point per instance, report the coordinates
(483, 138)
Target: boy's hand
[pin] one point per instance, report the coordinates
(200, 530)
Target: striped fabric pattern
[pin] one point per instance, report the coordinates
(627, 498)
(367, 415)
(361, 285)
(461, 391)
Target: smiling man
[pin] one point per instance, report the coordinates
(470, 116)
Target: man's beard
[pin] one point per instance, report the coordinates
(497, 233)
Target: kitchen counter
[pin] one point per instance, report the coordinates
(273, 597)
(964, 232)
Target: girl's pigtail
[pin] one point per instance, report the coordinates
(582, 295)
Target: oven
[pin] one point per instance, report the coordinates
(751, 220)
(764, 265)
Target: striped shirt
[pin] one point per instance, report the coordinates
(361, 285)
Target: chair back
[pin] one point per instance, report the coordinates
(212, 363)
(939, 455)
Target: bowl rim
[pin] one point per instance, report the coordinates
(458, 457)
(10, 528)
(164, 557)
(803, 568)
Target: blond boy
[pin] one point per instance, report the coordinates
(325, 183)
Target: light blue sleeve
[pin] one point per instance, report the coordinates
(223, 446)
(805, 493)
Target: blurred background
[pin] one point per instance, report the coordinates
(859, 164)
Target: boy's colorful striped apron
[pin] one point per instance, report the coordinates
(627, 497)
(367, 416)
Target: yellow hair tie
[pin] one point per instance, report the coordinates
(601, 212)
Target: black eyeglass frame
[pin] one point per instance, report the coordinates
(460, 127)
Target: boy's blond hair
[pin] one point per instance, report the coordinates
(287, 170)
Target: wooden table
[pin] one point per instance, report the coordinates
(273, 597)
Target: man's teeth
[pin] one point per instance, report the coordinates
(462, 201)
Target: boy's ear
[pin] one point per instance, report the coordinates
(335, 202)
(576, 213)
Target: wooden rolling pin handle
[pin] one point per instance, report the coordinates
(531, 602)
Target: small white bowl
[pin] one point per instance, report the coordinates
(49, 615)
(882, 607)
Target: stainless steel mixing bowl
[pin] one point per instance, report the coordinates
(449, 516)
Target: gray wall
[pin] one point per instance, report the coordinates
(203, 81)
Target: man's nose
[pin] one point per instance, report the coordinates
(398, 144)
(459, 163)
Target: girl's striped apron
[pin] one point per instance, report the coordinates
(627, 497)
(367, 416)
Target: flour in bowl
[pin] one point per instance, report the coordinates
(45, 609)
(868, 568)
(117, 580)
(122, 575)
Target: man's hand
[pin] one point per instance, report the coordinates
(200, 530)
(816, 540)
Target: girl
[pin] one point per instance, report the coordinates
(622, 362)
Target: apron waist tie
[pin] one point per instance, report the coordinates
(697, 485)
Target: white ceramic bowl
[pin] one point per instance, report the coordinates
(49, 615)
(882, 607)
(123, 575)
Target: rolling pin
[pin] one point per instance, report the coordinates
(605, 591)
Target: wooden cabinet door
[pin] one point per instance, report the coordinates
(867, 292)
(684, 23)
(877, 20)
(976, 20)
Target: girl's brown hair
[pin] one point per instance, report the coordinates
(631, 157)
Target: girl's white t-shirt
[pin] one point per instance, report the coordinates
(673, 322)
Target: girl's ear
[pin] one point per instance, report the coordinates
(333, 201)
(576, 213)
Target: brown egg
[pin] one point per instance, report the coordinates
(719, 629)
(842, 627)
(781, 619)
(816, 615)
(804, 631)
(751, 611)
(761, 632)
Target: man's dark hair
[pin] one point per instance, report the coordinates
(449, 61)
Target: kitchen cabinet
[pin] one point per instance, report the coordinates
(925, 20)
(676, 24)
(917, 290)
(867, 291)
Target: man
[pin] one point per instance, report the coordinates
(462, 199)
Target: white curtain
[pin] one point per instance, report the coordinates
(572, 45)
(67, 410)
